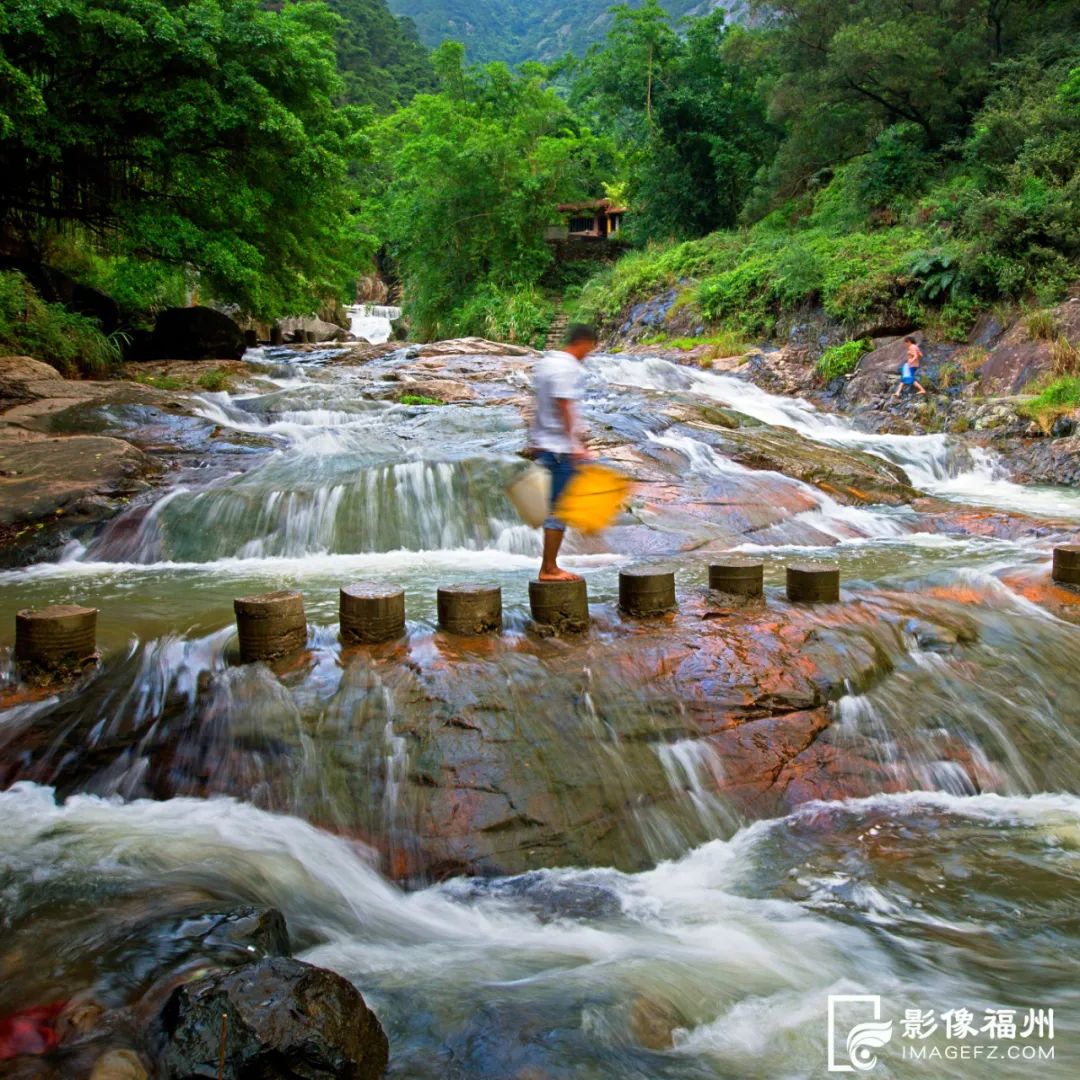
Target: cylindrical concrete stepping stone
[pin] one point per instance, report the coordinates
(1067, 564)
(813, 583)
(470, 609)
(647, 590)
(57, 636)
(270, 625)
(276, 336)
(561, 605)
(371, 613)
(738, 577)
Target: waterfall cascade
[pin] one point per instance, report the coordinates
(372, 323)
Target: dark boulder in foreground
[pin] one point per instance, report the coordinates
(195, 333)
(286, 1019)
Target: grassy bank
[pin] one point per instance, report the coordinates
(901, 235)
(920, 272)
(72, 343)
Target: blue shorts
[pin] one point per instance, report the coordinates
(562, 469)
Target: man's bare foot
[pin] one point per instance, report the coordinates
(557, 575)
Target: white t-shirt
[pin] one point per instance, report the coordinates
(557, 376)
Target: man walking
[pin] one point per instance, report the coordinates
(556, 435)
(909, 372)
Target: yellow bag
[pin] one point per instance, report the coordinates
(592, 498)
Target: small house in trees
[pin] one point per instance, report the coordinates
(597, 219)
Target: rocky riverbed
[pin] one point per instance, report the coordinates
(468, 769)
(979, 388)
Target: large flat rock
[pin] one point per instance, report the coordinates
(42, 476)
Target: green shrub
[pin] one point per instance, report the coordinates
(215, 381)
(952, 321)
(896, 166)
(1058, 397)
(725, 343)
(140, 287)
(419, 399)
(1040, 325)
(72, 343)
(521, 316)
(842, 359)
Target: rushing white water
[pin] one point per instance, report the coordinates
(828, 517)
(372, 322)
(933, 462)
(716, 964)
(708, 948)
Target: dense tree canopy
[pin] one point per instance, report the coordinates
(688, 112)
(201, 133)
(272, 148)
(470, 178)
(380, 57)
(850, 70)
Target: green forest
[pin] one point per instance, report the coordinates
(520, 30)
(889, 163)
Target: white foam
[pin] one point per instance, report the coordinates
(932, 462)
(313, 566)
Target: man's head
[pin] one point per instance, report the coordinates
(580, 340)
(909, 340)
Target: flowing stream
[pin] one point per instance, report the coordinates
(712, 949)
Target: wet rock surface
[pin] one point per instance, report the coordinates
(507, 744)
(1044, 460)
(126, 992)
(76, 453)
(286, 1020)
(848, 475)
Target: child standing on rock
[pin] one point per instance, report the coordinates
(909, 371)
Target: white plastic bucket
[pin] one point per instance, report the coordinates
(531, 495)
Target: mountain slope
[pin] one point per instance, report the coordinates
(517, 30)
(380, 55)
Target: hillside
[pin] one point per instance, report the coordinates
(379, 55)
(517, 30)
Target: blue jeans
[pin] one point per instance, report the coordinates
(562, 469)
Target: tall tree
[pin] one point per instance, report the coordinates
(207, 136)
(688, 109)
(380, 57)
(469, 180)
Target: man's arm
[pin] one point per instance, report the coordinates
(568, 414)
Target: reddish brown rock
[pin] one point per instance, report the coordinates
(1039, 588)
(1019, 358)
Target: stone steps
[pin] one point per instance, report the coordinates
(557, 329)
